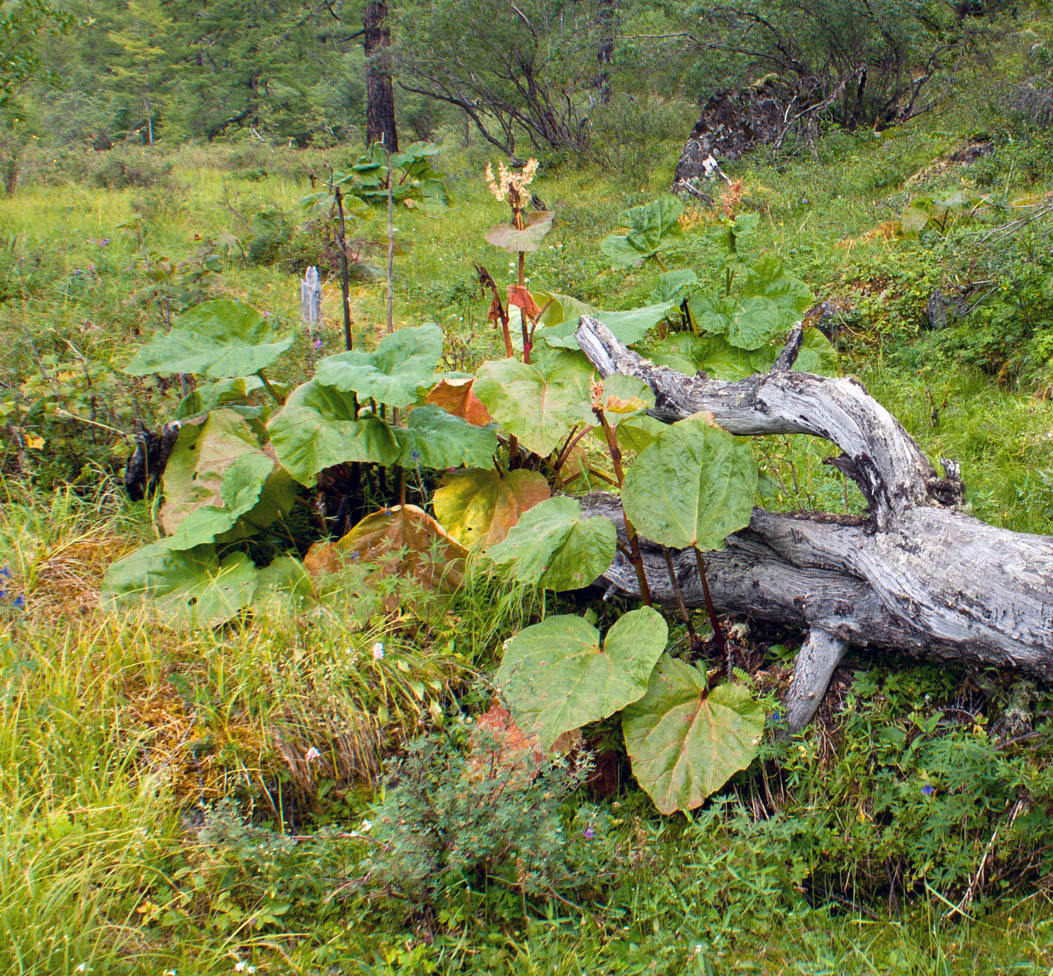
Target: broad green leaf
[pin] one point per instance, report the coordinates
(710, 312)
(537, 404)
(754, 322)
(432, 438)
(553, 545)
(233, 393)
(560, 308)
(693, 486)
(317, 429)
(673, 286)
(200, 460)
(651, 227)
(510, 238)
(652, 223)
(219, 339)
(715, 356)
(189, 588)
(686, 742)
(765, 307)
(719, 358)
(479, 507)
(746, 323)
(277, 499)
(562, 312)
(625, 397)
(240, 490)
(767, 278)
(622, 254)
(557, 677)
(682, 351)
(737, 235)
(628, 326)
(397, 372)
(631, 325)
(817, 354)
(639, 432)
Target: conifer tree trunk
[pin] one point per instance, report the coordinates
(605, 48)
(380, 96)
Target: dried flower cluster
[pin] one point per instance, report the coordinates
(509, 185)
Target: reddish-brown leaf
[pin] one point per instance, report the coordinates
(456, 396)
(519, 295)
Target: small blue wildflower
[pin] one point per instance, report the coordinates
(775, 716)
(588, 833)
(927, 789)
(104, 242)
(317, 343)
(20, 602)
(415, 456)
(3, 594)
(5, 572)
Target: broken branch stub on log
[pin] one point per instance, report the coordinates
(916, 574)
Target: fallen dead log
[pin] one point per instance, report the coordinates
(916, 574)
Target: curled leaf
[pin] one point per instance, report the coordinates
(520, 297)
(457, 397)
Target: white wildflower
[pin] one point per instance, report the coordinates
(378, 651)
(312, 754)
(510, 180)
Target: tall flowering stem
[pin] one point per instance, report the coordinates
(510, 187)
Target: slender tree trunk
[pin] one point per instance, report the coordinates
(380, 96)
(604, 48)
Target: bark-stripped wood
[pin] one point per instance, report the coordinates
(916, 575)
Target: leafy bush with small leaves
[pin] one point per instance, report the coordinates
(127, 167)
(459, 820)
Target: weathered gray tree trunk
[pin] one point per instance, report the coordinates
(916, 574)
